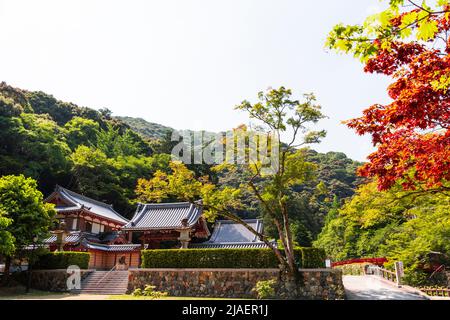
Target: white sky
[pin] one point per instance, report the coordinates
(187, 63)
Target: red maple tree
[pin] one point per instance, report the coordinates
(412, 134)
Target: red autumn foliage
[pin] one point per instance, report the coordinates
(412, 134)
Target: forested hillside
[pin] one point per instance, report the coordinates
(103, 157)
(146, 129)
(80, 148)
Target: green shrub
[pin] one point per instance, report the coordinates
(313, 258)
(265, 289)
(149, 291)
(62, 260)
(227, 258)
(137, 292)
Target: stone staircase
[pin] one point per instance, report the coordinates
(104, 283)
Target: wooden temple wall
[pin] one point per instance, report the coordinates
(107, 260)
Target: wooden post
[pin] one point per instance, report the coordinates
(399, 273)
(78, 221)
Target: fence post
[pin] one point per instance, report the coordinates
(399, 273)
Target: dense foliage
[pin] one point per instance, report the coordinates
(85, 150)
(403, 226)
(62, 260)
(227, 258)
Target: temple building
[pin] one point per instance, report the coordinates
(231, 235)
(91, 226)
(113, 241)
(81, 213)
(155, 224)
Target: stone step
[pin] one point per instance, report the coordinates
(106, 291)
(105, 282)
(105, 288)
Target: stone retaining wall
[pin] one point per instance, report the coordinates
(317, 284)
(51, 280)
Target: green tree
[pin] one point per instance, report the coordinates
(35, 146)
(8, 108)
(6, 239)
(130, 169)
(407, 226)
(21, 204)
(80, 131)
(114, 144)
(95, 177)
(277, 111)
(364, 223)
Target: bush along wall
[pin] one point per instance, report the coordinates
(308, 258)
(62, 260)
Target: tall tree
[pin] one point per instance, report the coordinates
(279, 113)
(26, 213)
(409, 43)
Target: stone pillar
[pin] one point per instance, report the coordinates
(185, 238)
(185, 234)
(61, 236)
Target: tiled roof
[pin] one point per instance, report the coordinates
(111, 248)
(164, 216)
(230, 231)
(73, 237)
(79, 201)
(232, 235)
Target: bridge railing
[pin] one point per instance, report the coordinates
(387, 274)
(436, 292)
(375, 261)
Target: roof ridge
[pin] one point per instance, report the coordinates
(245, 220)
(168, 211)
(86, 198)
(171, 204)
(111, 245)
(106, 205)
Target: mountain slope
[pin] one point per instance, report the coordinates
(146, 129)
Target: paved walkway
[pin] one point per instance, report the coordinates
(374, 288)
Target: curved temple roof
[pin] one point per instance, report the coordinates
(164, 216)
(232, 235)
(79, 201)
(112, 248)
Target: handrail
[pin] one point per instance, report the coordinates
(375, 261)
(385, 274)
(106, 275)
(436, 292)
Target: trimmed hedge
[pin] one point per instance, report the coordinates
(227, 258)
(62, 260)
(313, 258)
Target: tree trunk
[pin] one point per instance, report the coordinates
(290, 254)
(6, 273)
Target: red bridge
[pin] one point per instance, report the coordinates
(376, 261)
